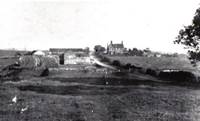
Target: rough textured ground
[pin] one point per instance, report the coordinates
(61, 99)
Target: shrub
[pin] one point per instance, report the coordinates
(116, 63)
(45, 72)
(181, 76)
(151, 72)
(127, 66)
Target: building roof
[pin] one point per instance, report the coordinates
(39, 53)
(117, 45)
(65, 49)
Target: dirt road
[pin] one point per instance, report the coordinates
(96, 61)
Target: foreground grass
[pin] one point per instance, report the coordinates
(83, 100)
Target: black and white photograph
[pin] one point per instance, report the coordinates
(100, 60)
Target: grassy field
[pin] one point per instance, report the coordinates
(7, 57)
(62, 96)
(92, 100)
(179, 63)
(7, 61)
(10, 53)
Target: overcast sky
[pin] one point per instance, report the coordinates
(42, 24)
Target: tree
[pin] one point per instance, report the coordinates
(189, 36)
(135, 52)
(99, 49)
(147, 50)
(87, 50)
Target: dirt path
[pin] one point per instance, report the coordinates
(96, 61)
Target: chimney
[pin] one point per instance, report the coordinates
(122, 42)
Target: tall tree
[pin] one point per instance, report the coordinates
(189, 36)
(99, 49)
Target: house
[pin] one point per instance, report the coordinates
(116, 49)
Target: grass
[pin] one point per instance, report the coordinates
(7, 57)
(7, 61)
(82, 101)
(60, 98)
(179, 63)
(10, 53)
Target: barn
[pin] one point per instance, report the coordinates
(70, 55)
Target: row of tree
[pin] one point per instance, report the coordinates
(135, 52)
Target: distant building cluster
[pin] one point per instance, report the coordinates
(67, 56)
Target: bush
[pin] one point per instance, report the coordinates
(181, 76)
(116, 63)
(127, 66)
(45, 72)
(151, 72)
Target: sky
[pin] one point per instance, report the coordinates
(43, 24)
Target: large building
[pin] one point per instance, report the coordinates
(115, 49)
(71, 55)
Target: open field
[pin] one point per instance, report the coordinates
(74, 95)
(7, 57)
(7, 53)
(10, 53)
(179, 63)
(62, 99)
(7, 61)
